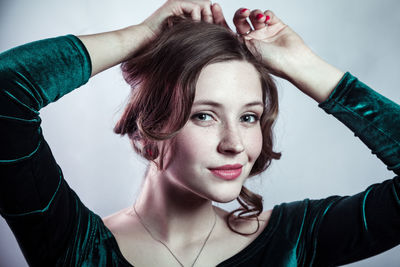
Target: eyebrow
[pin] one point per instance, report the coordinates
(218, 105)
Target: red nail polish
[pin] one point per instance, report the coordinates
(243, 10)
(259, 16)
(268, 17)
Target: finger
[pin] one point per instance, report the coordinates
(191, 8)
(271, 18)
(240, 20)
(218, 16)
(250, 45)
(206, 12)
(257, 18)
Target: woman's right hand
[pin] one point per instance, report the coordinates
(197, 9)
(111, 48)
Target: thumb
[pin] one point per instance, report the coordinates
(252, 45)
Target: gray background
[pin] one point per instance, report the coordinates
(320, 156)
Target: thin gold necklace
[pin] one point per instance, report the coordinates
(201, 249)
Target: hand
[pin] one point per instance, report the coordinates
(285, 53)
(198, 10)
(111, 48)
(278, 45)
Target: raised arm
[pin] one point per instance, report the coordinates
(359, 226)
(336, 230)
(48, 220)
(371, 116)
(35, 200)
(287, 56)
(111, 48)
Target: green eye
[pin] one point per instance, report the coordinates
(202, 117)
(249, 118)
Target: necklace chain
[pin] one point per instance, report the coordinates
(201, 249)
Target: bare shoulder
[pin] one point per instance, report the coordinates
(265, 215)
(125, 227)
(112, 219)
(121, 222)
(140, 250)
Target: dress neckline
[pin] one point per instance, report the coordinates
(245, 253)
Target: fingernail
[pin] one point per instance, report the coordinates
(268, 17)
(259, 16)
(243, 10)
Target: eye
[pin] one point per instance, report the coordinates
(202, 117)
(249, 118)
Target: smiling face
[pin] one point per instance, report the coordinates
(223, 131)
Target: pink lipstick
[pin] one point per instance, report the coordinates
(227, 172)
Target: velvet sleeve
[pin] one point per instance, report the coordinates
(35, 200)
(351, 228)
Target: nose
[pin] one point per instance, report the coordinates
(231, 142)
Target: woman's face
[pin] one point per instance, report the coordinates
(223, 132)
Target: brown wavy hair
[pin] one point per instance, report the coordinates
(163, 76)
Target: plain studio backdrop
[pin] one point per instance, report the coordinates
(320, 156)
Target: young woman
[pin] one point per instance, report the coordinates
(211, 133)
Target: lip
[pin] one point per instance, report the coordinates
(227, 172)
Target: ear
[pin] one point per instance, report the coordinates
(137, 143)
(149, 149)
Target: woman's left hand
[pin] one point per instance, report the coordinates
(276, 42)
(286, 55)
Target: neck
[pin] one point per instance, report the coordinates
(172, 213)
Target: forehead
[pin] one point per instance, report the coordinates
(229, 82)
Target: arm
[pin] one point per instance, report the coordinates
(314, 76)
(339, 230)
(35, 200)
(45, 215)
(356, 227)
(111, 48)
(286, 54)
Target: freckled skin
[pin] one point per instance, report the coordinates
(219, 135)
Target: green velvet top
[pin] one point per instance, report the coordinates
(54, 228)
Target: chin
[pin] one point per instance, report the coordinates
(225, 196)
(225, 200)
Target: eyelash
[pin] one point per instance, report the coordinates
(256, 118)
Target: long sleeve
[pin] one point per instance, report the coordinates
(347, 229)
(372, 117)
(339, 229)
(35, 200)
(32, 76)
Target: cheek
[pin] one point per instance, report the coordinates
(253, 143)
(194, 145)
